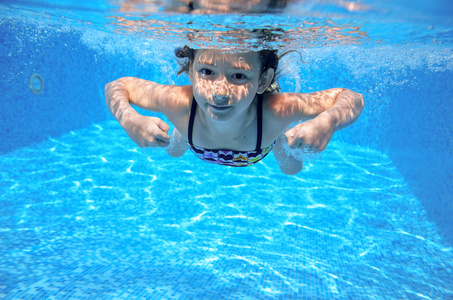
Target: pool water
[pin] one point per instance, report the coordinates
(85, 214)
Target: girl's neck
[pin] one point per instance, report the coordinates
(231, 128)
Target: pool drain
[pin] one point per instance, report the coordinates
(36, 84)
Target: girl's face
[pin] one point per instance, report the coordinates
(225, 84)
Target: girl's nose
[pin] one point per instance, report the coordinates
(220, 91)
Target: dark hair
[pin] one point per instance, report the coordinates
(186, 56)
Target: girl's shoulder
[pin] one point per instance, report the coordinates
(177, 99)
(280, 106)
(177, 106)
(277, 115)
(180, 94)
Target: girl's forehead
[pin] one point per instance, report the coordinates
(239, 59)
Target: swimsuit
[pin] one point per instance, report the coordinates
(231, 158)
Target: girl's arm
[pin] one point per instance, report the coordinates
(334, 109)
(151, 95)
(144, 131)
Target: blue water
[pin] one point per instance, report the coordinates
(85, 214)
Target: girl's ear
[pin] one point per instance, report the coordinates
(265, 80)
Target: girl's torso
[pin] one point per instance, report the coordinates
(242, 139)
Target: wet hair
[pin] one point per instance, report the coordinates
(185, 57)
(269, 59)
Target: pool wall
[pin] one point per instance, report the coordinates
(408, 112)
(70, 98)
(420, 143)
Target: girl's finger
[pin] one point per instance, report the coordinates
(162, 125)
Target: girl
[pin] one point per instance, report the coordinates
(232, 113)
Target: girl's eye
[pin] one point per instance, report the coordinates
(239, 76)
(207, 72)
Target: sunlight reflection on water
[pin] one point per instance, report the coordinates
(343, 227)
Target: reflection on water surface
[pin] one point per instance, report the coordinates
(282, 24)
(242, 32)
(205, 6)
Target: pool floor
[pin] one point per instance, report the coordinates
(89, 216)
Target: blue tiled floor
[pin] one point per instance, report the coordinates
(88, 216)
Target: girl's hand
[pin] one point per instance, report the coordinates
(177, 145)
(313, 135)
(147, 131)
(288, 163)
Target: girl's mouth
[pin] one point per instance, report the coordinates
(219, 108)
